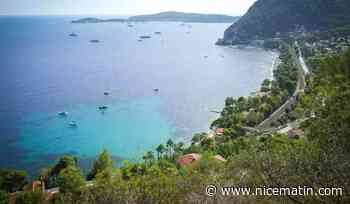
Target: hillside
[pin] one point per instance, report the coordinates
(266, 18)
(185, 17)
(170, 16)
(97, 20)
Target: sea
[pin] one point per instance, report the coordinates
(167, 86)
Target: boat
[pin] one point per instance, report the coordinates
(106, 93)
(63, 114)
(94, 41)
(73, 124)
(73, 35)
(205, 56)
(145, 36)
(140, 40)
(156, 90)
(103, 107)
(157, 33)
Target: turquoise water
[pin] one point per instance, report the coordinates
(126, 129)
(44, 71)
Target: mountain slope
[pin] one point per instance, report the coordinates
(268, 17)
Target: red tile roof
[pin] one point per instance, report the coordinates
(188, 159)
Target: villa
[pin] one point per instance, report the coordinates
(188, 159)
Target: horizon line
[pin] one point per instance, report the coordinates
(108, 14)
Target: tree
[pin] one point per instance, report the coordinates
(265, 86)
(229, 101)
(179, 147)
(12, 180)
(63, 163)
(70, 180)
(254, 117)
(35, 197)
(195, 139)
(160, 150)
(49, 175)
(148, 157)
(3, 197)
(103, 163)
(207, 143)
(170, 147)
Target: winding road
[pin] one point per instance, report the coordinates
(303, 70)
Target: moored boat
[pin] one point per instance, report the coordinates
(103, 107)
(145, 36)
(73, 124)
(63, 114)
(73, 35)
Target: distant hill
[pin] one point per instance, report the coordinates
(185, 17)
(97, 20)
(268, 17)
(167, 16)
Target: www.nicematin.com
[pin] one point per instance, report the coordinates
(213, 190)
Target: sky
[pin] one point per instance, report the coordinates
(121, 7)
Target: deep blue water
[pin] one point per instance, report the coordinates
(44, 71)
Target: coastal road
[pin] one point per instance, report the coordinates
(303, 70)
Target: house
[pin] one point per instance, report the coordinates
(33, 187)
(219, 131)
(295, 133)
(285, 130)
(211, 135)
(188, 159)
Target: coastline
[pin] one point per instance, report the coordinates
(211, 134)
(276, 62)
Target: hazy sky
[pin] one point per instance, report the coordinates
(121, 7)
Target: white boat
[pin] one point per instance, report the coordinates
(73, 124)
(63, 114)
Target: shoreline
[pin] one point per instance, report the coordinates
(211, 134)
(276, 62)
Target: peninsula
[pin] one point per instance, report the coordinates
(171, 16)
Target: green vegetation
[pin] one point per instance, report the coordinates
(170, 16)
(11, 181)
(70, 180)
(103, 163)
(252, 110)
(50, 175)
(185, 17)
(266, 18)
(3, 197)
(30, 197)
(318, 159)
